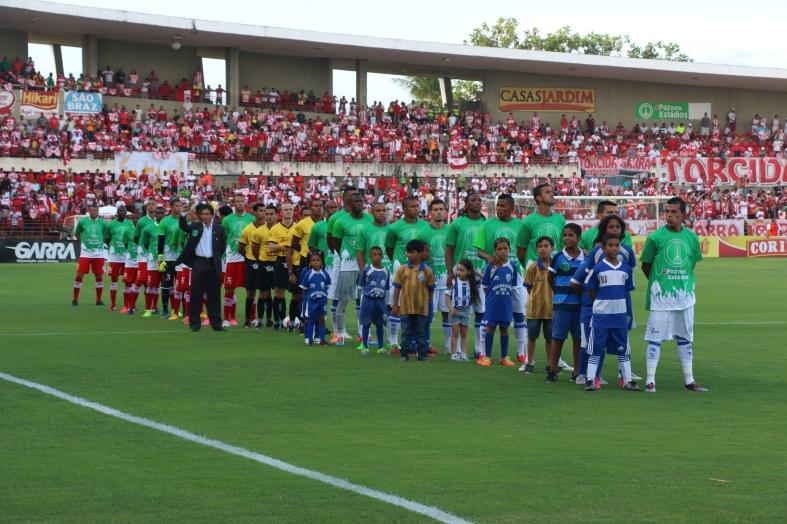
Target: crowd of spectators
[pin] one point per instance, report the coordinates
(40, 202)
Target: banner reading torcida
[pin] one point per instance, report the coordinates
(578, 99)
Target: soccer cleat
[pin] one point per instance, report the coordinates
(463, 357)
(432, 351)
(562, 365)
(155, 311)
(635, 377)
(395, 349)
(132, 310)
(365, 352)
(650, 387)
(477, 355)
(276, 326)
(551, 377)
(233, 322)
(225, 324)
(247, 325)
(124, 310)
(112, 309)
(339, 342)
(360, 347)
(521, 359)
(380, 351)
(164, 314)
(359, 339)
(621, 382)
(581, 379)
(507, 362)
(186, 320)
(590, 385)
(696, 387)
(269, 323)
(631, 386)
(334, 339)
(404, 358)
(74, 303)
(174, 316)
(573, 377)
(599, 382)
(424, 358)
(99, 302)
(455, 357)
(323, 343)
(205, 322)
(485, 361)
(308, 342)
(147, 314)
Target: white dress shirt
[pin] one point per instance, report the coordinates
(205, 245)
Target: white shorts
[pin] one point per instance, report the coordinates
(333, 272)
(439, 301)
(668, 325)
(116, 259)
(519, 299)
(347, 285)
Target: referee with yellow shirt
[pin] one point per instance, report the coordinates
(261, 250)
(253, 273)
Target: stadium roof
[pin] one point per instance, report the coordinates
(385, 55)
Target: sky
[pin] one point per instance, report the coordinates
(704, 33)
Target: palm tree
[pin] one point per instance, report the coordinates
(421, 88)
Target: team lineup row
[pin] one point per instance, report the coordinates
(538, 273)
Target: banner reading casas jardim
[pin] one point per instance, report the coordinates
(578, 99)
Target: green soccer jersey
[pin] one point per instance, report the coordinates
(148, 242)
(234, 225)
(142, 223)
(495, 228)
(672, 255)
(535, 226)
(399, 234)
(319, 240)
(329, 230)
(435, 239)
(374, 236)
(348, 230)
(119, 235)
(91, 237)
(588, 239)
(169, 228)
(461, 235)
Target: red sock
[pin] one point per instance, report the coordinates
(99, 289)
(233, 308)
(77, 287)
(227, 305)
(175, 306)
(113, 293)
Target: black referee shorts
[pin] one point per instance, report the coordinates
(253, 275)
(267, 280)
(281, 277)
(295, 288)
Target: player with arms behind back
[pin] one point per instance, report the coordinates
(90, 232)
(668, 260)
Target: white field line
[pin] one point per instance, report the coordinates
(415, 507)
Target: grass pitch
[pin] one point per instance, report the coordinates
(486, 444)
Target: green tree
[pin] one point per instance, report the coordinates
(505, 33)
(427, 89)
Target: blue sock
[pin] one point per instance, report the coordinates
(488, 341)
(583, 361)
(365, 335)
(321, 333)
(380, 335)
(503, 346)
(309, 333)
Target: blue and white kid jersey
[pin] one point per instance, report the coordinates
(460, 293)
(315, 284)
(375, 282)
(499, 282)
(564, 267)
(612, 284)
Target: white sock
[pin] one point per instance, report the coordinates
(686, 356)
(625, 368)
(341, 313)
(652, 361)
(447, 336)
(520, 334)
(394, 324)
(593, 366)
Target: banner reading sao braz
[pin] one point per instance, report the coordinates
(715, 171)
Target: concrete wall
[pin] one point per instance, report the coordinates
(169, 64)
(615, 99)
(285, 73)
(12, 44)
(313, 169)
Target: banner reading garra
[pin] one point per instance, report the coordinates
(578, 99)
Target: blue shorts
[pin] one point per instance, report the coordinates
(373, 311)
(314, 310)
(613, 340)
(498, 323)
(565, 322)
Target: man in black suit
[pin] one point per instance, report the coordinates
(204, 247)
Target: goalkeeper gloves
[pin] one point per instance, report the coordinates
(162, 266)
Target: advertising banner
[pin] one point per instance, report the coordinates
(636, 227)
(716, 171)
(577, 99)
(661, 111)
(600, 165)
(770, 247)
(37, 103)
(79, 103)
(38, 250)
(151, 163)
(7, 101)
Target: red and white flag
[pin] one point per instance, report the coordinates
(457, 162)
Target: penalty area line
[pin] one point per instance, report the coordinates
(415, 507)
